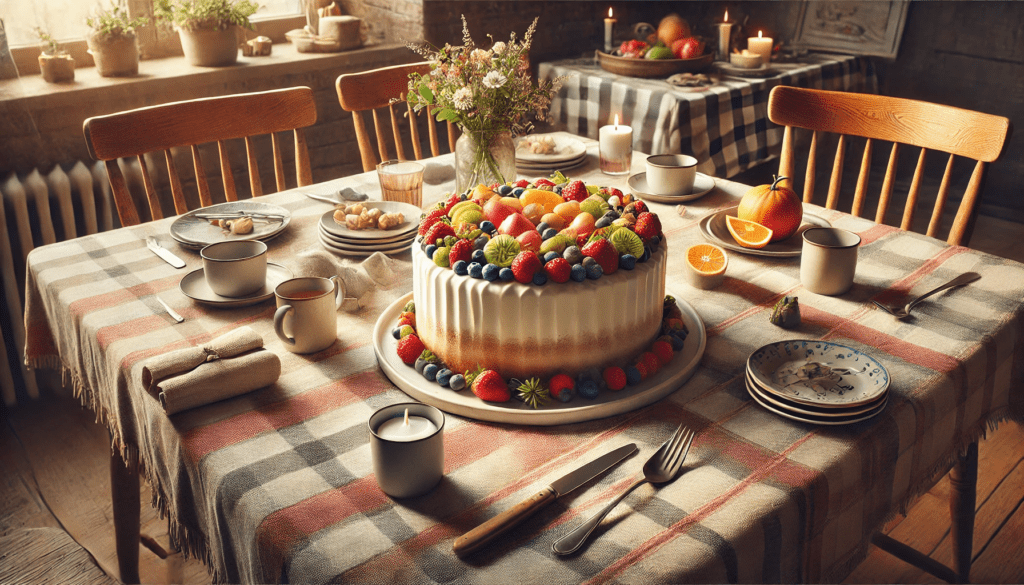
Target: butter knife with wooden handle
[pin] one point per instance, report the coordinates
(482, 535)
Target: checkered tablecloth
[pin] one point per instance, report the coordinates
(277, 484)
(725, 126)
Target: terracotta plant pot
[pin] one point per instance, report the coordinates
(210, 48)
(57, 68)
(114, 57)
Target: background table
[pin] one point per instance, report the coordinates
(277, 485)
(725, 125)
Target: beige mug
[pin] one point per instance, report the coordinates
(828, 260)
(235, 268)
(306, 319)
(671, 174)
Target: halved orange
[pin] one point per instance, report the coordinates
(706, 259)
(748, 234)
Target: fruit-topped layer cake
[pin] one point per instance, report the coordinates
(538, 279)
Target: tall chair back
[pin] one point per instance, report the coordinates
(903, 122)
(374, 90)
(135, 133)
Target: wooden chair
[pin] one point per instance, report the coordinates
(977, 136)
(190, 123)
(373, 90)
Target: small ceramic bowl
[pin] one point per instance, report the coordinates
(235, 269)
(748, 61)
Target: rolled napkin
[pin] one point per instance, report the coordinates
(234, 363)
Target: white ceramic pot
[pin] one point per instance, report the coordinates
(57, 68)
(210, 48)
(116, 57)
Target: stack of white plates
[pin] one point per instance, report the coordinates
(195, 232)
(339, 239)
(569, 153)
(817, 382)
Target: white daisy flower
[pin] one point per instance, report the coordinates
(498, 48)
(463, 98)
(494, 80)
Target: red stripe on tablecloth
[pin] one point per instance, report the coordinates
(838, 327)
(698, 515)
(201, 441)
(899, 289)
(279, 531)
(121, 295)
(876, 232)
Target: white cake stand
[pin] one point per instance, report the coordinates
(580, 409)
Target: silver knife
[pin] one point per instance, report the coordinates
(164, 253)
(174, 314)
(482, 535)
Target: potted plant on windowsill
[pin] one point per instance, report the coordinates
(207, 27)
(55, 63)
(112, 40)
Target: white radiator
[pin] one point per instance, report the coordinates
(80, 202)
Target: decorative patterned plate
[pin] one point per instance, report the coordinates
(566, 149)
(818, 373)
(833, 421)
(409, 212)
(702, 185)
(194, 232)
(806, 409)
(464, 403)
(193, 285)
(713, 227)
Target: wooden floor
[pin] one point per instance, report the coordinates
(54, 481)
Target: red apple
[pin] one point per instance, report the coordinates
(530, 240)
(515, 224)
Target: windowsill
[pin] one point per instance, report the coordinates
(171, 72)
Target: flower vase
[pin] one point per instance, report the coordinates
(484, 159)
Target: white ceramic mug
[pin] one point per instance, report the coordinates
(407, 468)
(671, 174)
(828, 260)
(306, 319)
(235, 268)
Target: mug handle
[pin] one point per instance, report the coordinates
(279, 324)
(339, 291)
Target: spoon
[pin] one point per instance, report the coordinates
(904, 312)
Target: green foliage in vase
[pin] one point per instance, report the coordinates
(114, 22)
(206, 14)
(50, 44)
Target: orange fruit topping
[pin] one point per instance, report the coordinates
(748, 234)
(706, 259)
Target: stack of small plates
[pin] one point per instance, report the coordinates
(569, 153)
(339, 239)
(194, 232)
(817, 382)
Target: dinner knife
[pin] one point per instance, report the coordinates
(164, 253)
(482, 535)
(174, 314)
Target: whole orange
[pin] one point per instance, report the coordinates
(776, 208)
(672, 28)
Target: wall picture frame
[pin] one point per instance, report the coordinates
(859, 27)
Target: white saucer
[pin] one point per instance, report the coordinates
(409, 212)
(403, 236)
(193, 285)
(342, 250)
(566, 149)
(702, 185)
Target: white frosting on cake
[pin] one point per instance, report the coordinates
(527, 330)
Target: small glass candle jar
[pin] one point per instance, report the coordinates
(408, 457)
(616, 148)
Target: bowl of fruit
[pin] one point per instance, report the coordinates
(669, 50)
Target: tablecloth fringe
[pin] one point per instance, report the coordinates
(841, 570)
(192, 544)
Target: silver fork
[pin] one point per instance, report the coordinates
(660, 468)
(904, 312)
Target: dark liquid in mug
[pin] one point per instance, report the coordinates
(305, 294)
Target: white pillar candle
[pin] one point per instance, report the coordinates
(724, 36)
(616, 147)
(408, 428)
(609, 25)
(761, 45)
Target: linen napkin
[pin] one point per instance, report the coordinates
(361, 280)
(230, 365)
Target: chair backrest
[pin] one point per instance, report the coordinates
(135, 133)
(974, 135)
(374, 90)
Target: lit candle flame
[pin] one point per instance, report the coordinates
(609, 12)
(616, 119)
(726, 15)
(406, 423)
(758, 34)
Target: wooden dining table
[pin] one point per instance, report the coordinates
(277, 484)
(723, 123)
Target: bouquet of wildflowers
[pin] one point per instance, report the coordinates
(485, 92)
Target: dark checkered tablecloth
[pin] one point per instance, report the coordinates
(725, 126)
(277, 484)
